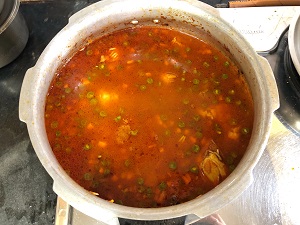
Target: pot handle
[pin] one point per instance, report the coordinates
(206, 7)
(77, 201)
(211, 207)
(25, 96)
(271, 82)
(62, 214)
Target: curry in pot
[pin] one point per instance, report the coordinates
(149, 117)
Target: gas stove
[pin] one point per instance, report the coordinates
(272, 196)
(26, 195)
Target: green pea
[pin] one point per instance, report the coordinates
(57, 104)
(181, 124)
(90, 95)
(196, 118)
(233, 122)
(93, 101)
(173, 165)
(226, 63)
(199, 134)
(95, 184)
(106, 171)
(238, 102)
(231, 167)
(188, 49)
(49, 107)
(105, 162)
(58, 83)
(167, 132)
(224, 76)
(87, 147)
(175, 50)
(149, 80)
(87, 176)
(194, 169)
(245, 130)
(54, 124)
(188, 61)
(196, 148)
(176, 66)
(228, 99)
(143, 87)
(102, 66)
(229, 160)
(89, 52)
(231, 92)
(57, 147)
(216, 82)
(58, 133)
(185, 101)
(83, 123)
(103, 114)
(162, 186)
(140, 181)
(141, 189)
(218, 129)
(149, 192)
(217, 91)
(118, 118)
(121, 110)
(196, 81)
(68, 90)
(206, 64)
(127, 163)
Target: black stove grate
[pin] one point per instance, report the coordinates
(288, 84)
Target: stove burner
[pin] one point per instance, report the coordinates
(288, 83)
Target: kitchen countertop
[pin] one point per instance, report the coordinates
(26, 195)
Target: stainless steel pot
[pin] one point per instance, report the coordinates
(106, 16)
(294, 41)
(13, 31)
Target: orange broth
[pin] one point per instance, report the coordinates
(149, 117)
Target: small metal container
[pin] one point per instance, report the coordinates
(294, 41)
(13, 31)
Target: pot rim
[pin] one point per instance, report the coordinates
(81, 198)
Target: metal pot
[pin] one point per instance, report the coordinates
(106, 16)
(13, 31)
(294, 41)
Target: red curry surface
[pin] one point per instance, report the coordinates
(149, 117)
